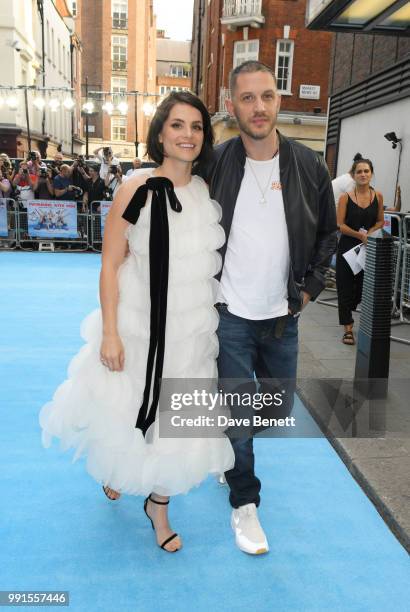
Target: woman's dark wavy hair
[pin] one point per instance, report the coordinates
(358, 159)
(155, 149)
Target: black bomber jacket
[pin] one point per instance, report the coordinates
(308, 202)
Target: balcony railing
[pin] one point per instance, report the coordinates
(224, 93)
(237, 13)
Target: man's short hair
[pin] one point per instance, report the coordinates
(64, 167)
(95, 167)
(249, 66)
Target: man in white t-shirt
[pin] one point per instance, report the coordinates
(107, 160)
(136, 165)
(279, 218)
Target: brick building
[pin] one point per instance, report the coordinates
(369, 89)
(119, 56)
(228, 32)
(174, 68)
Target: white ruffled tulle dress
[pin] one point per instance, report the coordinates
(94, 411)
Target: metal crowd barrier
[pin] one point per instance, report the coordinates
(11, 240)
(405, 277)
(400, 277)
(89, 234)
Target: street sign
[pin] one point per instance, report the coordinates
(309, 92)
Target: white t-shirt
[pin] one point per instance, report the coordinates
(342, 184)
(256, 268)
(105, 167)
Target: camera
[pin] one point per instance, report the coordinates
(43, 172)
(25, 171)
(32, 156)
(113, 169)
(6, 165)
(107, 151)
(81, 161)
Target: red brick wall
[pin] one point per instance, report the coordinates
(312, 52)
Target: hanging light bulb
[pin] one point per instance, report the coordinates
(148, 109)
(54, 104)
(12, 102)
(123, 107)
(39, 103)
(68, 103)
(108, 107)
(88, 107)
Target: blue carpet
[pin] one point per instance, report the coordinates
(330, 550)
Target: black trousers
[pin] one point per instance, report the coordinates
(349, 289)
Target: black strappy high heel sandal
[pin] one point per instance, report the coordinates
(104, 488)
(171, 537)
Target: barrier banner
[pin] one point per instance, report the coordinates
(3, 218)
(105, 207)
(387, 223)
(52, 218)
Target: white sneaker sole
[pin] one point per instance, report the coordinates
(260, 550)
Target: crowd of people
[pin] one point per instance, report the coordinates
(83, 181)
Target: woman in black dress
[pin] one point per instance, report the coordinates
(359, 213)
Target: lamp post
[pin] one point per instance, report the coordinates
(136, 122)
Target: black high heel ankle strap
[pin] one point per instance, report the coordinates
(154, 501)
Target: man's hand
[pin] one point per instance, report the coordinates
(305, 299)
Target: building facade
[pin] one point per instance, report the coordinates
(174, 68)
(229, 32)
(119, 57)
(27, 27)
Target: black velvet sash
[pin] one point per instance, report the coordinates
(159, 267)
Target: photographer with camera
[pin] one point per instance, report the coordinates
(107, 159)
(80, 176)
(26, 181)
(6, 166)
(5, 184)
(113, 180)
(96, 189)
(63, 187)
(45, 187)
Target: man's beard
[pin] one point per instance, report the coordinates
(257, 135)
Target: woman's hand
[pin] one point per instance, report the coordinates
(363, 237)
(112, 353)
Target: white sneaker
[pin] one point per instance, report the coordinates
(249, 535)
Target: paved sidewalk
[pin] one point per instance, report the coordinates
(381, 465)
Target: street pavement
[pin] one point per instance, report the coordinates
(380, 462)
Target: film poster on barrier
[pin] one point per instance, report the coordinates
(3, 218)
(52, 219)
(105, 209)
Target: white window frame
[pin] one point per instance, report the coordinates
(246, 55)
(119, 12)
(118, 88)
(119, 129)
(283, 54)
(118, 44)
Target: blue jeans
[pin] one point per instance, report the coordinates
(249, 349)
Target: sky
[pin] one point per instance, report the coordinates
(175, 17)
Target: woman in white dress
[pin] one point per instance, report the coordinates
(157, 321)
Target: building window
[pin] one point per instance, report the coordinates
(53, 47)
(284, 65)
(180, 70)
(118, 88)
(119, 52)
(120, 14)
(119, 128)
(244, 51)
(74, 8)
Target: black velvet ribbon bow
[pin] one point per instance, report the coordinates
(161, 187)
